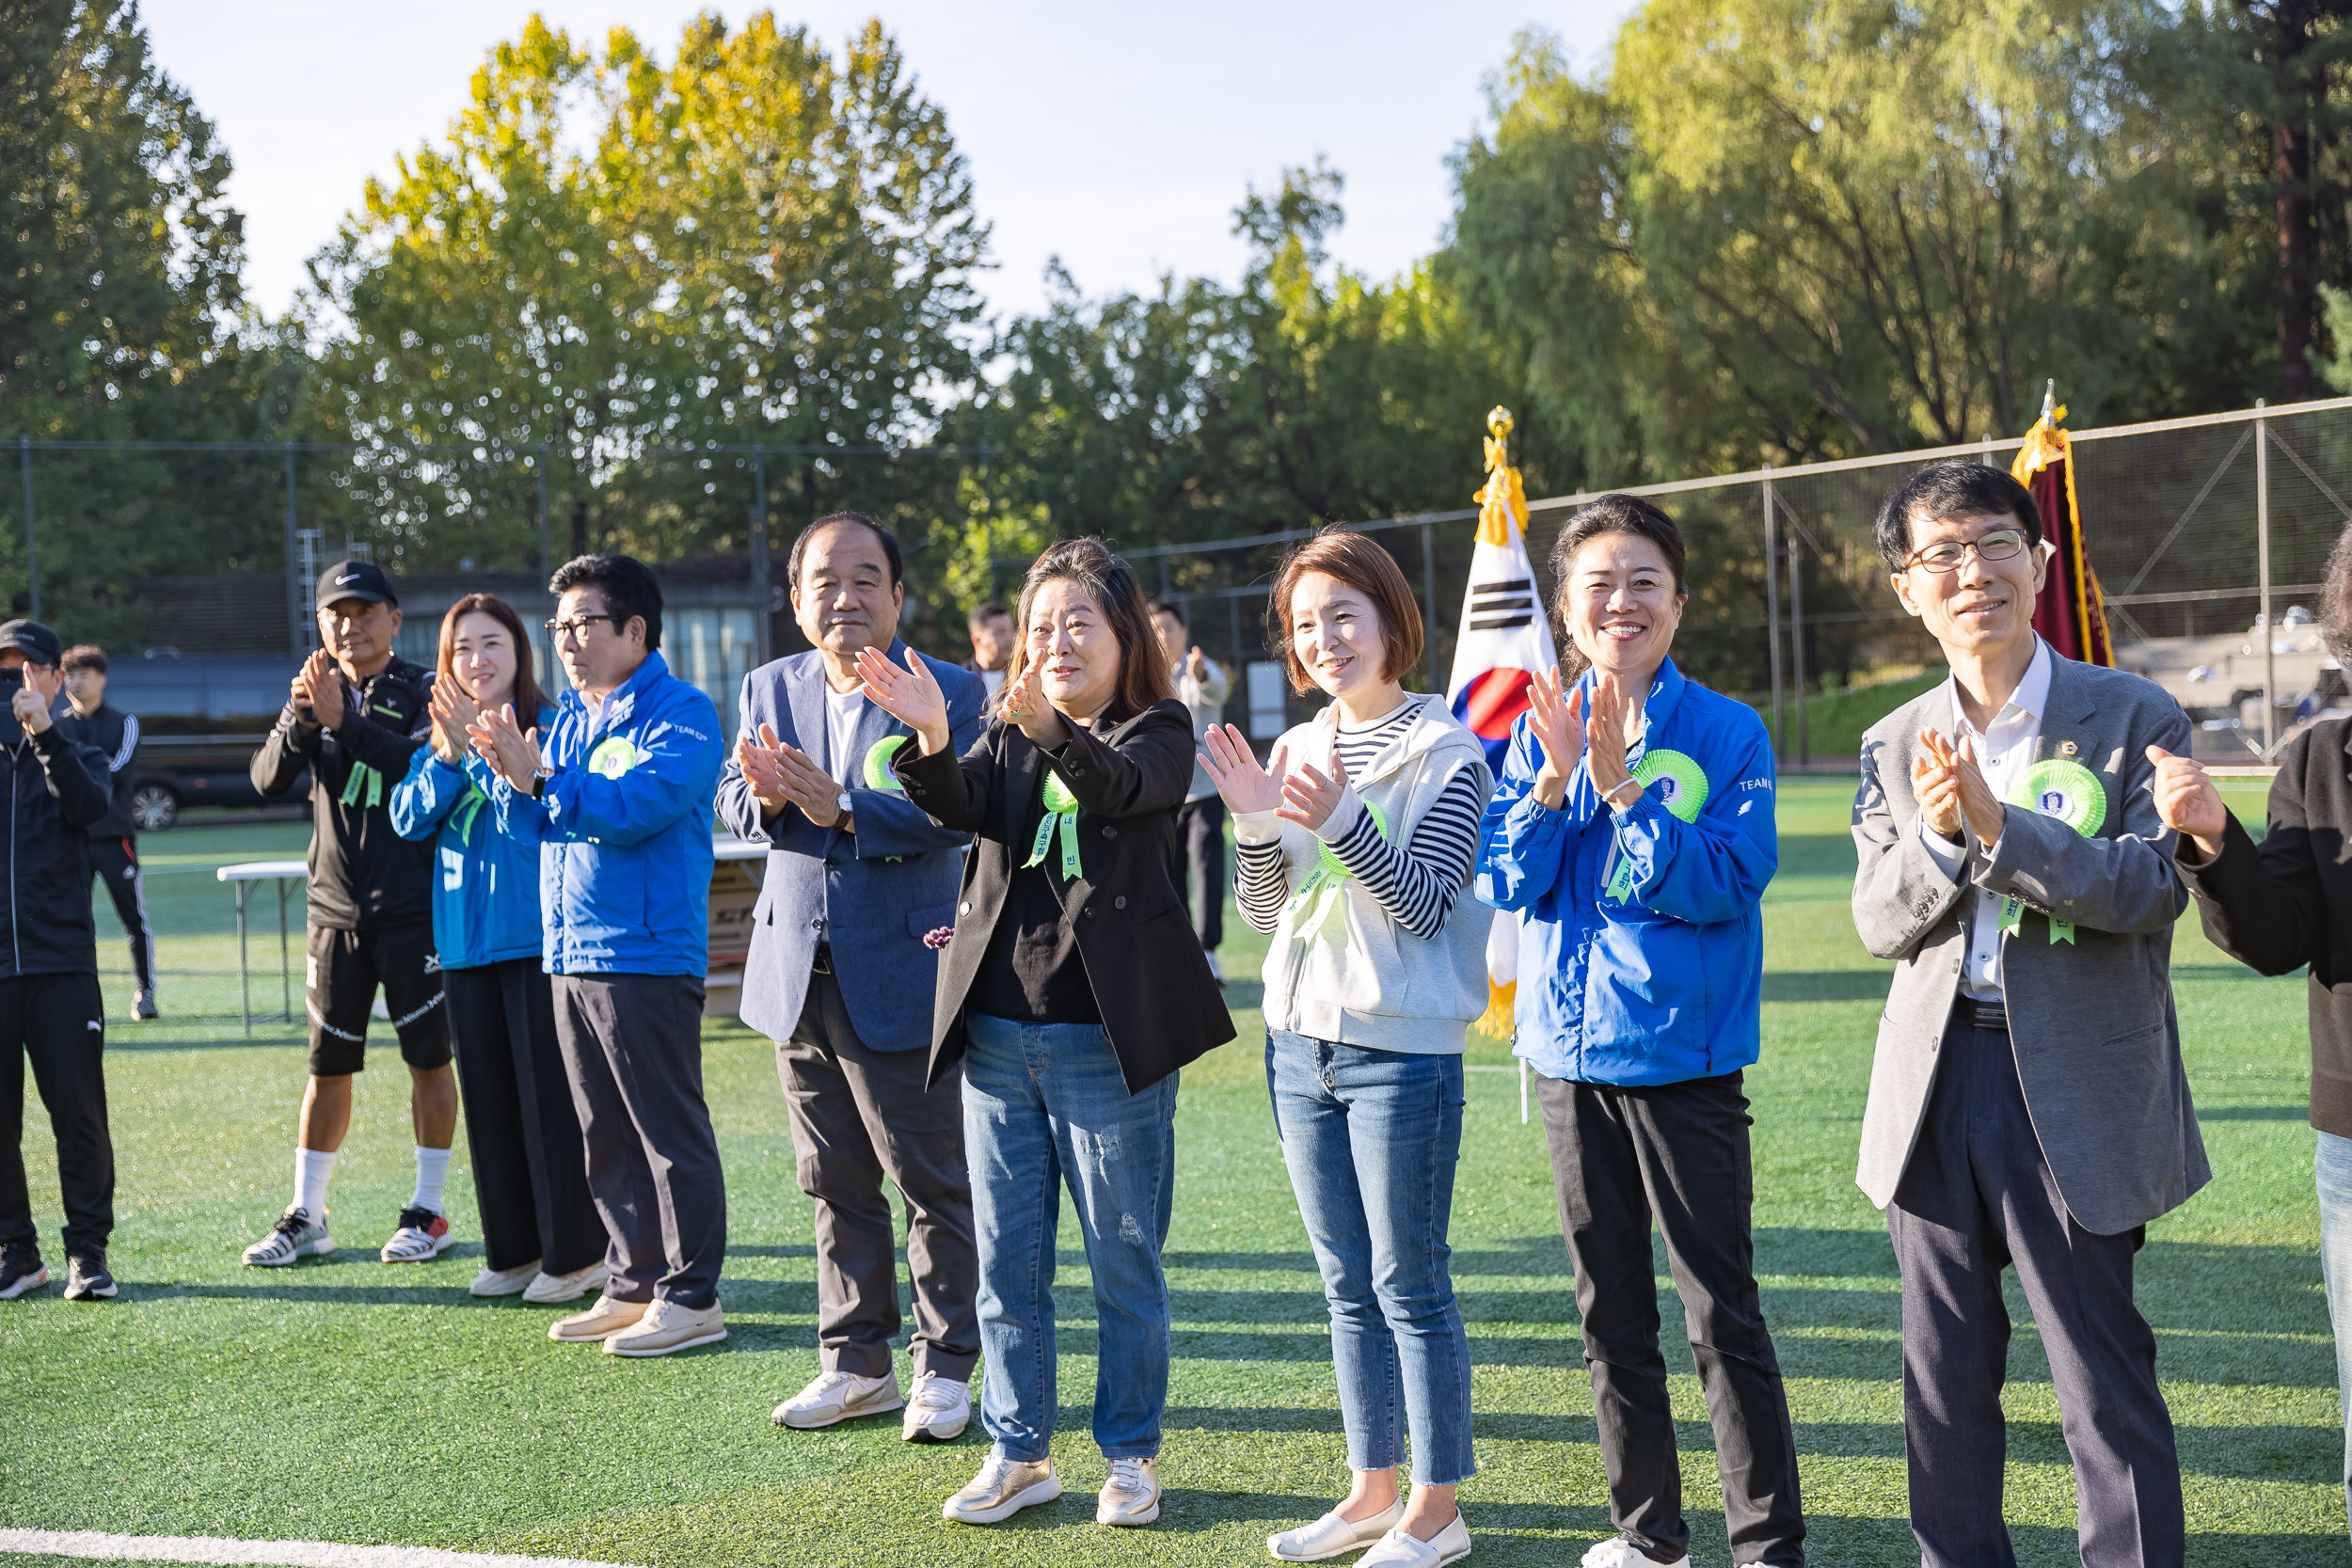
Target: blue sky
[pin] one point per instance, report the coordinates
(1118, 137)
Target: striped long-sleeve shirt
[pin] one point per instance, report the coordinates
(1416, 884)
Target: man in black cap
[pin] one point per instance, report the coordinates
(114, 845)
(357, 713)
(49, 1005)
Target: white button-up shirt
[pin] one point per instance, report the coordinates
(2004, 748)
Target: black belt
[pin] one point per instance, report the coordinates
(823, 963)
(1990, 1015)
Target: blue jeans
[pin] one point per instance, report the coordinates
(1372, 1138)
(2335, 1262)
(1043, 1106)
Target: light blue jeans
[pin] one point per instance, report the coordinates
(2335, 1262)
(1372, 1138)
(1044, 1106)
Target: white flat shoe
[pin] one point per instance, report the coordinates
(546, 1289)
(1617, 1552)
(505, 1282)
(1397, 1549)
(1332, 1536)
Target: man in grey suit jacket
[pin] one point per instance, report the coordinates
(2028, 1102)
(840, 976)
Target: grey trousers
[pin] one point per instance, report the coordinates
(859, 1115)
(1976, 1198)
(632, 1049)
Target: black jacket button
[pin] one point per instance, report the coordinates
(1119, 902)
(1109, 831)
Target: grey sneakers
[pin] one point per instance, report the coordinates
(838, 1396)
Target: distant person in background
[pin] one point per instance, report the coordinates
(1072, 1001)
(1202, 686)
(617, 794)
(114, 850)
(50, 1009)
(540, 1232)
(354, 717)
(840, 976)
(993, 643)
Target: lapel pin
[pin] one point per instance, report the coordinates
(2067, 748)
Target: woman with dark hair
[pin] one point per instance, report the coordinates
(2286, 903)
(1633, 832)
(541, 1235)
(1356, 845)
(1072, 991)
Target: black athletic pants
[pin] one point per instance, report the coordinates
(57, 1020)
(116, 862)
(530, 1170)
(1676, 1154)
(1200, 848)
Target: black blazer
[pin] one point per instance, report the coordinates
(1160, 1005)
(2288, 902)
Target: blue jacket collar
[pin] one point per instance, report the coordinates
(618, 707)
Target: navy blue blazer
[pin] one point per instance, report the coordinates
(872, 894)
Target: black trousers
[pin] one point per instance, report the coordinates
(859, 1115)
(116, 862)
(1676, 1153)
(530, 1165)
(1201, 845)
(633, 1050)
(58, 1021)
(1975, 1199)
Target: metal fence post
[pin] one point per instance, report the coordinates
(2262, 554)
(32, 545)
(763, 574)
(1771, 607)
(297, 625)
(1429, 598)
(1796, 643)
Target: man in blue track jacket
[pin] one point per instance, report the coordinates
(840, 976)
(618, 797)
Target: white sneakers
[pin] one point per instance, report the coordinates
(1397, 1549)
(667, 1327)
(1332, 1536)
(836, 1396)
(294, 1235)
(1131, 1494)
(938, 1410)
(504, 1282)
(1003, 1488)
(1617, 1552)
(548, 1288)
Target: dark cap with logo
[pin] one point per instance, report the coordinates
(33, 639)
(356, 580)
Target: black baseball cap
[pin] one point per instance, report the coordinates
(33, 639)
(356, 580)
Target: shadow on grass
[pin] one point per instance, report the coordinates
(1827, 985)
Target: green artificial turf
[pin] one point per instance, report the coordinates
(346, 1400)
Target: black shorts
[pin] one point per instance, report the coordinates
(344, 969)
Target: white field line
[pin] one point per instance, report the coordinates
(296, 1554)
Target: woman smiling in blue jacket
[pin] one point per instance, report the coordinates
(539, 1227)
(1634, 832)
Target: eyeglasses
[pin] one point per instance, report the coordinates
(576, 629)
(1945, 558)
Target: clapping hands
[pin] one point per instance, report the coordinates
(1305, 796)
(512, 752)
(780, 775)
(453, 713)
(910, 696)
(1951, 787)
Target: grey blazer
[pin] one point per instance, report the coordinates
(2091, 1022)
(872, 893)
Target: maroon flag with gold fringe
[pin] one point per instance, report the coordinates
(2069, 614)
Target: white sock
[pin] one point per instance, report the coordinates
(312, 1166)
(432, 1176)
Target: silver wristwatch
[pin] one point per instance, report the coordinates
(841, 803)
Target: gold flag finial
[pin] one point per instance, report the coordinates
(1502, 499)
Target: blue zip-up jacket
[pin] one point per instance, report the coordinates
(485, 884)
(624, 828)
(1664, 985)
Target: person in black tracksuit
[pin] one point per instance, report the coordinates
(114, 849)
(357, 713)
(49, 1005)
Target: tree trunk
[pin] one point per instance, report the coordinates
(2299, 253)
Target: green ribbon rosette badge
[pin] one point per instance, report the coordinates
(364, 781)
(877, 767)
(1682, 786)
(615, 755)
(1061, 810)
(2062, 788)
(469, 807)
(1322, 887)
